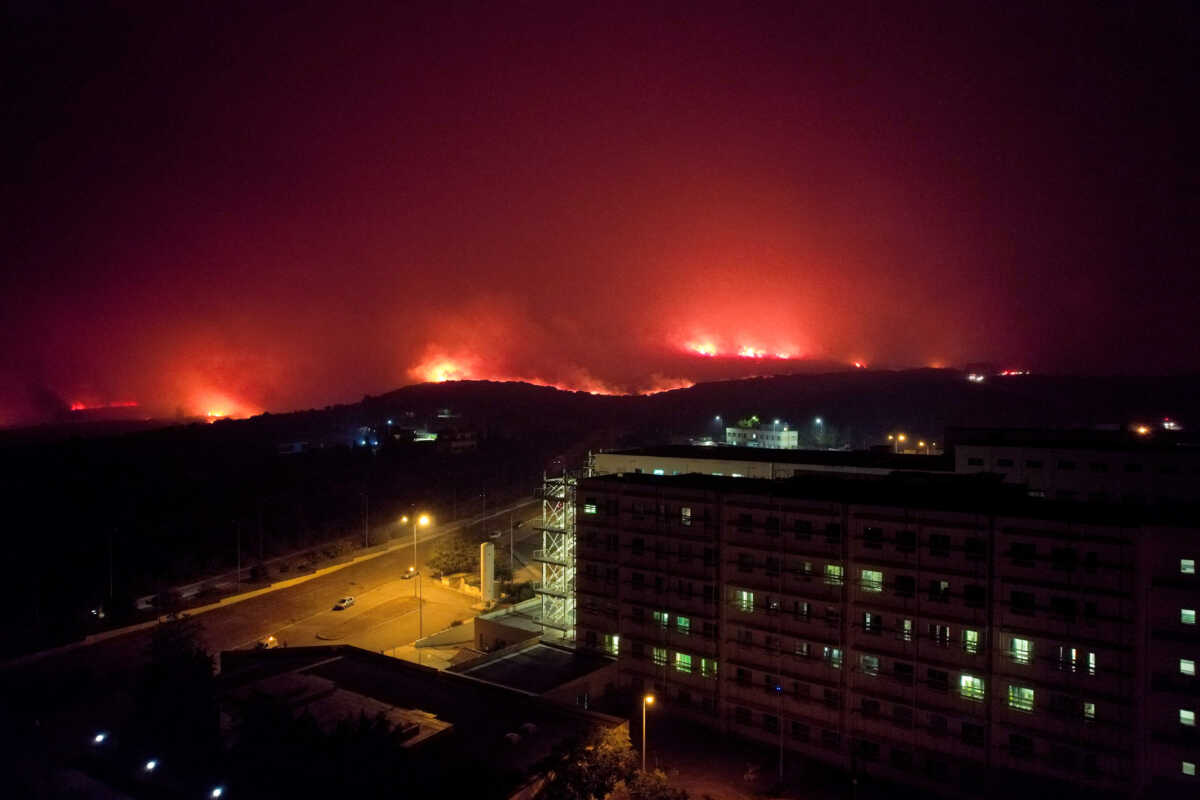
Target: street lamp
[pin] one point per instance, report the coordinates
(647, 700)
(413, 572)
(420, 521)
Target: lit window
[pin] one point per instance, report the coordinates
(834, 575)
(1091, 663)
(708, 667)
(1187, 616)
(1187, 566)
(1089, 710)
(683, 624)
(1022, 650)
(906, 630)
(1068, 658)
(744, 600)
(662, 618)
(659, 472)
(833, 657)
(1020, 697)
(971, 687)
(660, 656)
(1187, 717)
(1188, 768)
(872, 580)
(1187, 666)
(869, 664)
(683, 662)
(685, 516)
(612, 643)
(589, 508)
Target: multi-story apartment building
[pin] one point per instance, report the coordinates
(770, 436)
(941, 629)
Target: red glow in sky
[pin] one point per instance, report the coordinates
(285, 207)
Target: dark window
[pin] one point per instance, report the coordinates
(833, 532)
(799, 731)
(639, 615)
(639, 546)
(974, 548)
(1064, 558)
(873, 538)
(1133, 467)
(1004, 462)
(868, 751)
(1033, 463)
(831, 740)
(770, 723)
(939, 680)
(1090, 561)
(685, 553)
(745, 562)
(772, 566)
(906, 585)
(1064, 607)
(1022, 603)
(974, 462)
(710, 557)
(1066, 465)
(743, 677)
(937, 724)
(975, 596)
(872, 623)
(939, 591)
(870, 708)
(972, 734)
(906, 541)
(901, 759)
(1022, 553)
(902, 716)
(1020, 746)
(639, 580)
(744, 522)
(710, 595)
(803, 529)
(832, 698)
(611, 543)
(742, 715)
(939, 544)
(903, 671)
(772, 526)
(1099, 466)
(1169, 469)
(1089, 609)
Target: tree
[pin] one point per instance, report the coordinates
(454, 554)
(590, 770)
(177, 712)
(646, 786)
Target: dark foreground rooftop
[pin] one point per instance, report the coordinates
(537, 668)
(873, 459)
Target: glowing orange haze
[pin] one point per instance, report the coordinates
(440, 368)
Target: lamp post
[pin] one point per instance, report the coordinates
(647, 700)
(413, 572)
(418, 521)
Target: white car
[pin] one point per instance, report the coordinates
(344, 603)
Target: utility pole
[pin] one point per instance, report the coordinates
(110, 569)
(366, 543)
(238, 534)
(510, 546)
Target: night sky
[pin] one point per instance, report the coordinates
(227, 210)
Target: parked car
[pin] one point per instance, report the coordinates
(344, 603)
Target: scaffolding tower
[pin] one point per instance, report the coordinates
(557, 556)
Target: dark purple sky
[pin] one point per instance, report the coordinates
(228, 209)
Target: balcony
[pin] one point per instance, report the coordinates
(550, 557)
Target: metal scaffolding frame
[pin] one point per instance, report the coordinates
(557, 555)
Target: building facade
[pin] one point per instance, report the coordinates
(774, 437)
(945, 630)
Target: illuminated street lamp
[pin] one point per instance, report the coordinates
(413, 572)
(647, 700)
(420, 521)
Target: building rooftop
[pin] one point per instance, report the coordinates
(826, 458)
(1120, 439)
(537, 668)
(978, 493)
(482, 714)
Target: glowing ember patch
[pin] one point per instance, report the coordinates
(703, 348)
(90, 407)
(750, 352)
(860, 365)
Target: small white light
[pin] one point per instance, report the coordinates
(217, 791)
(99, 738)
(150, 765)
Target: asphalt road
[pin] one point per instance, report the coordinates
(92, 684)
